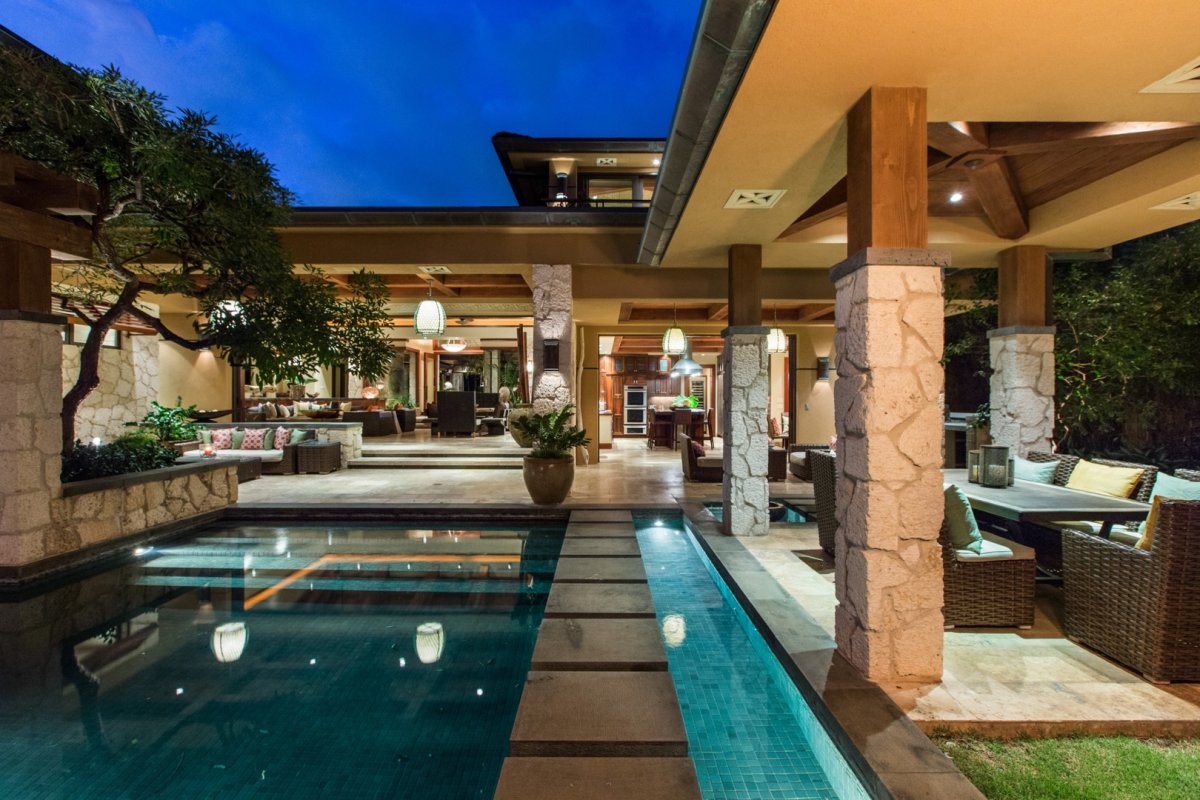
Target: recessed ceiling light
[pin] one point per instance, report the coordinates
(956, 197)
(656, 161)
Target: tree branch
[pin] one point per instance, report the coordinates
(167, 333)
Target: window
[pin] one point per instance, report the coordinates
(618, 191)
(75, 333)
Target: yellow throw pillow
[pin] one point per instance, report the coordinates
(1147, 540)
(1098, 479)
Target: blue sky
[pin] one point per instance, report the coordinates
(387, 103)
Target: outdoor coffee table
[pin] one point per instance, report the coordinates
(1026, 501)
(319, 457)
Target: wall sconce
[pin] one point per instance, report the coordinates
(550, 355)
(823, 368)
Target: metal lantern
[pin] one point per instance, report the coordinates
(993, 466)
(229, 641)
(777, 341)
(973, 466)
(430, 641)
(430, 317)
(674, 341)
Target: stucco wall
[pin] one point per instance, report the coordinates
(814, 412)
(129, 378)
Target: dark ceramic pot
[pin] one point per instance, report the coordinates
(549, 479)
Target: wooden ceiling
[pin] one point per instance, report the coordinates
(1000, 170)
(656, 311)
(403, 287)
(650, 344)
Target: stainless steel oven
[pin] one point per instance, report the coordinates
(635, 411)
(635, 397)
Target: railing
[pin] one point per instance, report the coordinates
(587, 202)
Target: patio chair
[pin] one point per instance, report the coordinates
(798, 461)
(1139, 607)
(702, 469)
(825, 478)
(993, 591)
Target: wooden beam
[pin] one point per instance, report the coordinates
(996, 188)
(718, 311)
(816, 312)
(68, 198)
(626, 311)
(438, 283)
(1024, 287)
(1017, 138)
(745, 285)
(887, 170)
(956, 138)
(24, 277)
(42, 230)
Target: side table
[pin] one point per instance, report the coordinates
(319, 457)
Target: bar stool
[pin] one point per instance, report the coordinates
(708, 428)
(681, 422)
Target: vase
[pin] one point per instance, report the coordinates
(548, 480)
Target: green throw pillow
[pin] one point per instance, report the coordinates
(960, 521)
(1173, 488)
(1034, 471)
(298, 436)
(238, 436)
(205, 436)
(269, 440)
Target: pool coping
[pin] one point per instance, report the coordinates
(888, 753)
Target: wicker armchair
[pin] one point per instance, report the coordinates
(825, 478)
(803, 470)
(992, 593)
(692, 470)
(1140, 607)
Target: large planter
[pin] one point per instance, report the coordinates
(549, 479)
(523, 410)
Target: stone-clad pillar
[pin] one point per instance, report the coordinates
(745, 393)
(888, 400)
(1022, 387)
(30, 432)
(552, 319)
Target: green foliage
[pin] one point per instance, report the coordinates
(552, 434)
(170, 423)
(509, 375)
(981, 418)
(1126, 349)
(135, 451)
(1078, 768)
(183, 209)
(690, 401)
(400, 401)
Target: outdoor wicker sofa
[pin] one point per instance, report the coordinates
(1140, 607)
(798, 461)
(990, 591)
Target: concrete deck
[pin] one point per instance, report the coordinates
(600, 570)
(598, 779)
(613, 600)
(600, 530)
(604, 645)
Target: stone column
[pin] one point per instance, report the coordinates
(1022, 387)
(745, 392)
(552, 309)
(888, 401)
(30, 433)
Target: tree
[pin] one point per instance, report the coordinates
(182, 209)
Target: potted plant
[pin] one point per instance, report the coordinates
(549, 470)
(171, 424)
(517, 412)
(979, 427)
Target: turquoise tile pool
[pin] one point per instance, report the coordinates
(298, 662)
(749, 730)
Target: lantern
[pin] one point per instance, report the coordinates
(228, 641)
(430, 641)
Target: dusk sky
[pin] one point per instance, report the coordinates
(387, 103)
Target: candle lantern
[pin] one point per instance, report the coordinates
(208, 451)
(973, 466)
(993, 466)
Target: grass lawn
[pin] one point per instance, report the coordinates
(1078, 768)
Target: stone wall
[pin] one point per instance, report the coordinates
(128, 382)
(139, 501)
(1022, 388)
(552, 319)
(745, 394)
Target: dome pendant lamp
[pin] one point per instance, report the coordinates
(674, 341)
(430, 317)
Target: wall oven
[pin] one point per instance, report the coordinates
(635, 411)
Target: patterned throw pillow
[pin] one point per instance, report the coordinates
(222, 439)
(282, 436)
(254, 439)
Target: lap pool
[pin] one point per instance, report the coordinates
(322, 661)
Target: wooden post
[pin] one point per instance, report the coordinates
(588, 396)
(792, 387)
(887, 180)
(745, 285)
(24, 277)
(1025, 278)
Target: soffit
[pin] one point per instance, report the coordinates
(1072, 61)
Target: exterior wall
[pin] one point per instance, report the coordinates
(814, 398)
(128, 382)
(202, 378)
(84, 520)
(744, 491)
(778, 386)
(552, 309)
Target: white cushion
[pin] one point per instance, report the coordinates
(798, 457)
(1081, 525)
(996, 548)
(1124, 535)
(265, 455)
(710, 461)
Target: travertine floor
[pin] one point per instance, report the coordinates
(1000, 681)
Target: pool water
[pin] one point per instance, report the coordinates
(277, 662)
(749, 730)
(791, 513)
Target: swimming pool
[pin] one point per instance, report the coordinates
(791, 513)
(750, 732)
(328, 661)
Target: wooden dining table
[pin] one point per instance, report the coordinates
(1027, 501)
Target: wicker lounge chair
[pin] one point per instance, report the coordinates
(824, 478)
(988, 592)
(798, 461)
(1139, 607)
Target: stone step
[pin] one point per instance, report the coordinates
(458, 462)
(602, 515)
(600, 570)
(574, 548)
(600, 530)
(604, 600)
(598, 714)
(622, 645)
(384, 451)
(597, 779)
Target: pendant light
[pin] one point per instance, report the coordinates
(674, 341)
(776, 339)
(430, 318)
(229, 641)
(685, 365)
(455, 344)
(430, 641)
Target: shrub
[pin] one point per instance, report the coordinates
(136, 451)
(170, 423)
